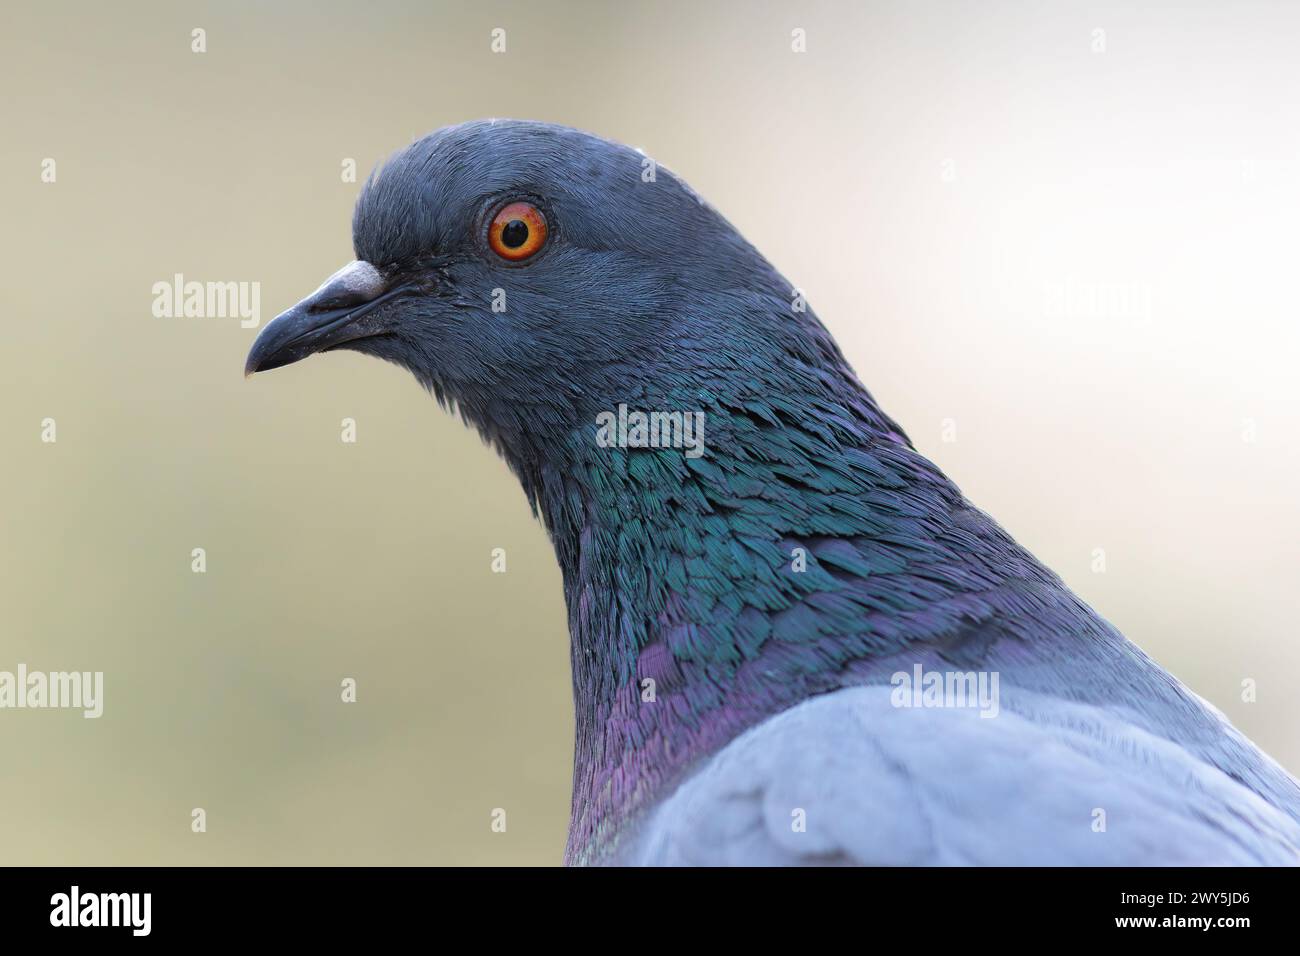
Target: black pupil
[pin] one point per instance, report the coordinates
(515, 234)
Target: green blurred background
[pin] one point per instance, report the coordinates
(932, 175)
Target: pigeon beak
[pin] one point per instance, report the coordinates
(330, 316)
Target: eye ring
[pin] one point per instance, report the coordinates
(517, 232)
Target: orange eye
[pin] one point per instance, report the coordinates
(517, 231)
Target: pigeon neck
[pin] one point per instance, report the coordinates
(683, 569)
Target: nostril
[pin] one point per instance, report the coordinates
(356, 284)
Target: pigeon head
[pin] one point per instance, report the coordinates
(533, 276)
(538, 279)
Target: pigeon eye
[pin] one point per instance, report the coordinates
(517, 232)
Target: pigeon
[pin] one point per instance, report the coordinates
(793, 640)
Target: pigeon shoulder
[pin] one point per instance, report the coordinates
(849, 778)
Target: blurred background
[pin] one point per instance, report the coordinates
(1056, 241)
